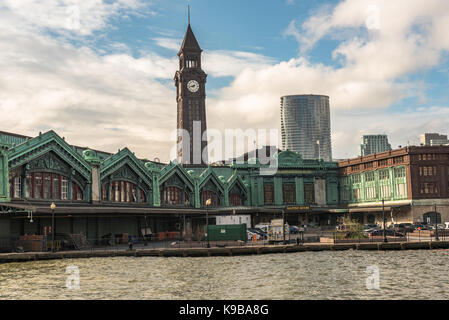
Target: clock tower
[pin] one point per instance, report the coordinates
(190, 81)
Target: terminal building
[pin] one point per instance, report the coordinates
(98, 193)
(123, 194)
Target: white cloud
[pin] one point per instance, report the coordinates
(115, 100)
(222, 63)
(81, 17)
(402, 128)
(101, 101)
(381, 43)
(168, 43)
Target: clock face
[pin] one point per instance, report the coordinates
(193, 85)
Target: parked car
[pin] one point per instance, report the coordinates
(388, 233)
(367, 228)
(371, 226)
(440, 226)
(296, 229)
(403, 227)
(420, 226)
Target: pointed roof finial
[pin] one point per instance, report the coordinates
(188, 7)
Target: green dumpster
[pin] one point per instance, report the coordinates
(227, 232)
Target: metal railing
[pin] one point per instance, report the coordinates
(10, 244)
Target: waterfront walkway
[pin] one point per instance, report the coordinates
(226, 251)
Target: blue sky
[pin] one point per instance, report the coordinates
(221, 25)
(101, 72)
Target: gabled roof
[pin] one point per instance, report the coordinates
(209, 174)
(237, 179)
(190, 43)
(49, 141)
(125, 156)
(175, 168)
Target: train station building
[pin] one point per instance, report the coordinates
(98, 193)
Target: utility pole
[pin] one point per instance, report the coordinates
(383, 214)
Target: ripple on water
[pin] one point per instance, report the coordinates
(305, 275)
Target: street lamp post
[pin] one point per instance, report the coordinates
(383, 214)
(436, 223)
(283, 226)
(52, 207)
(208, 202)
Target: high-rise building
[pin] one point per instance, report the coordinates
(433, 139)
(305, 126)
(190, 82)
(374, 143)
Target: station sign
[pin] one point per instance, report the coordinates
(298, 208)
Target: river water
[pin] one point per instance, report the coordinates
(419, 274)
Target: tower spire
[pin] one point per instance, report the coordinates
(190, 43)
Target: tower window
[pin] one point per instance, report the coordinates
(191, 63)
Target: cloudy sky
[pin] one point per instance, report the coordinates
(100, 72)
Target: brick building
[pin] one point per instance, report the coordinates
(411, 181)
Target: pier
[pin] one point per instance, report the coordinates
(226, 251)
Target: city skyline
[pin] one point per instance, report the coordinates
(105, 69)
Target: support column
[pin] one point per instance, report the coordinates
(4, 174)
(278, 197)
(69, 187)
(197, 193)
(391, 176)
(260, 191)
(254, 197)
(24, 182)
(299, 187)
(226, 195)
(138, 190)
(94, 186)
(156, 191)
(363, 190)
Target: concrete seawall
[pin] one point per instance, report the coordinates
(227, 251)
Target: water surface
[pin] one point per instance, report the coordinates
(419, 274)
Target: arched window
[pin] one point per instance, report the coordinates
(208, 194)
(45, 185)
(235, 199)
(122, 191)
(173, 195)
(77, 193)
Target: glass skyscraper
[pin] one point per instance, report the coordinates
(305, 126)
(374, 143)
